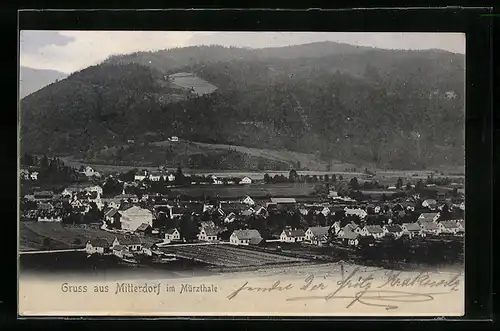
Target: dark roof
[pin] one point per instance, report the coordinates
(393, 228)
(349, 234)
(213, 231)
(449, 224)
(112, 212)
(295, 233)
(170, 231)
(412, 226)
(99, 242)
(149, 245)
(247, 234)
(374, 229)
(283, 200)
(255, 241)
(319, 231)
(429, 225)
(143, 227)
(129, 240)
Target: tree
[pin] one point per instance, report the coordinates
(292, 176)
(408, 186)
(341, 177)
(334, 178)
(353, 183)
(267, 178)
(399, 183)
(27, 160)
(327, 179)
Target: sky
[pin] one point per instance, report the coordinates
(70, 51)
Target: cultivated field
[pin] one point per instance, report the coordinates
(188, 80)
(32, 235)
(228, 256)
(253, 190)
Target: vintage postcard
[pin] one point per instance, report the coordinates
(192, 173)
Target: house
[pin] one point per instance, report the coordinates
(90, 172)
(429, 203)
(429, 228)
(412, 229)
(24, 174)
(127, 197)
(325, 211)
(173, 139)
(356, 211)
(248, 212)
(94, 188)
(149, 248)
(112, 203)
(262, 211)
(122, 252)
(209, 233)
(292, 236)
(132, 243)
(144, 229)
(283, 201)
(340, 231)
(139, 177)
(43, 195)
(171, 177)
(428, 217)
(57, 219)
(449, 227)
(461, 224)
(248, 201)
(97, 246)
(230, 218)
(246, 180)
(134, 216)
(245, 237)
(45, 207)
(393, 230)
(172, 235)
(462, 205)
(375, 231)
(315, 233)
(304, 211)
(34, 175)
(113, 217)
(155, 176)
(349, 237)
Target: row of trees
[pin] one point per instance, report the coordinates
(50, 170)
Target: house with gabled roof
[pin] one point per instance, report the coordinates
(376, 231)
(349, 237)
(248, 201)
(144, 229)
(428, 217)
(210, 233)
(317, 235)
(393, 230)
(292, 235)
(245, 237)
(412, 229)
(429, 203)
(230, 218)
(131, 242)
(448, 227)
(97, 246)
(172, 235)
(430, 228)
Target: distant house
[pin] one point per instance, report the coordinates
(245, 237)
(43, 195)
(132, 243)
(248, 201)
(172, 235)
(248, 212)
(173, 139)
(448, 227)
(149, 248)
(412, 229)
(209, 234)
(134, 216)
(429, 228)
(317, 234)
(283, 201)
(171, 177)
(24, 174)
(155, 176)
(429, 203)
(325, 211)
(56, 219)
(262, 211)
(461, 224)
(230, 218)
(141, 176)
(112, 203)
(34, 175)
(349, 237)
(376, 231)
(428, 217)
(97, 246)
(393, 230)
(90, 172)
(292, 236)
(122, 251)
(128, 197)
(144, 229)
(356, 211)
(113, 217)
(246, 180)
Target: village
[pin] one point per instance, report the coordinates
(134, 216)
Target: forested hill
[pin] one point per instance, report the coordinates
(402, 109)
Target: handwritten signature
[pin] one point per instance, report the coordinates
(383, 295)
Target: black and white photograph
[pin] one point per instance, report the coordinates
(185, 173)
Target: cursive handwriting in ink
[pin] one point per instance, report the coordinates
(275, 287)
(423, 279)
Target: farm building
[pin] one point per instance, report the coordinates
(412, 229)
(375, 231)
(316, 233)
(112, 202)
(57, 219)
(246, 180)
(393, 230)
(430, 228)
(230, 218)
(133, 242)
(209, 234)
(429, 203)
(122, 252)
(292, 236)
(127, 197)
(34, 175)
(144, 229)
(428, 217)
(356, 211)
(262, 211)
(90, 172)
(97, 246)
(450, 227)
(113, 216)
(248, 201)
(134, 216)
(172, 235)
(245, 237)
(349, 237)
(149, 248)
